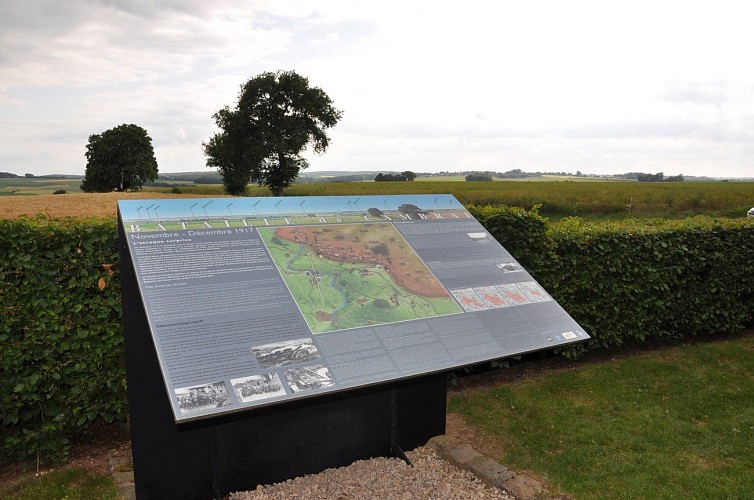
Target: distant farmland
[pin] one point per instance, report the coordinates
(22, 186)
(557, 199)
(595, 198)
(542, 178)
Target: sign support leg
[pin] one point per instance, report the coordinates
(395, 449)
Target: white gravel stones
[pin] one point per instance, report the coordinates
(383, 478)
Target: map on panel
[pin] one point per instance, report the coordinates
(355, 275)
(254, 301)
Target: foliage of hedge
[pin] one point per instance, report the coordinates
(639, 280)
(60, 333)
(61, 338)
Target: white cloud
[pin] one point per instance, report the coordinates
(543, 85)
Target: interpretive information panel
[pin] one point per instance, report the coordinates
(251, 301)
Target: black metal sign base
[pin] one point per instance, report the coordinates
(236, 452)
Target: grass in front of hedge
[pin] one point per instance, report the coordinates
(69, 483)
(668, 424)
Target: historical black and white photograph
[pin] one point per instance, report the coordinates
(290, 352)
(509, 267)
(255, 387)
(202, 397)
(309, 378)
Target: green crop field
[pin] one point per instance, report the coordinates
(22, 186)
(449, 178)
(355, 275)
(591, 199)
(558, 199)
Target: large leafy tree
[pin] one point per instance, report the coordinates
(278, 115)
(119, 159)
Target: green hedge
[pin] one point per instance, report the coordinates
(61, 340)
(640, 280)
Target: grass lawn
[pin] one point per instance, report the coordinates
(68, 483)
(665, 424)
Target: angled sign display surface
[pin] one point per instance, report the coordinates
(253, 301)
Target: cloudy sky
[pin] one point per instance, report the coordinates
(600, 87)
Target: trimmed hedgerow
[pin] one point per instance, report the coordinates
(637, 280)
(61, 340)
(60, 332)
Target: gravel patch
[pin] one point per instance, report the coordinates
(385, 478)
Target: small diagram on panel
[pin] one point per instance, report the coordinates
(309, 378)
(510, 267)
(255, 387)
(513, 294)
(202, 397)
(469, 300)
(535, 292)
(290, 352)
(491, 297)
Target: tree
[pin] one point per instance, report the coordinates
(119, 159)
(478, 177)
(658, 177)
(408, 175)
(277, 116)
(403, 176)
(411, 209)
(376, 212)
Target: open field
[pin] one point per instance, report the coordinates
(21, 186)
(673, 423)
(572, 198)
(449, 178)
(558, 199)
(72, 204)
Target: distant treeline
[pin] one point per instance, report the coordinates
(658, 177)
(335, 178)
(479, 177)
(213, 177)
(510, 174)
(403, 176)
(520, 174)
(169, 180)
(8, 175)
